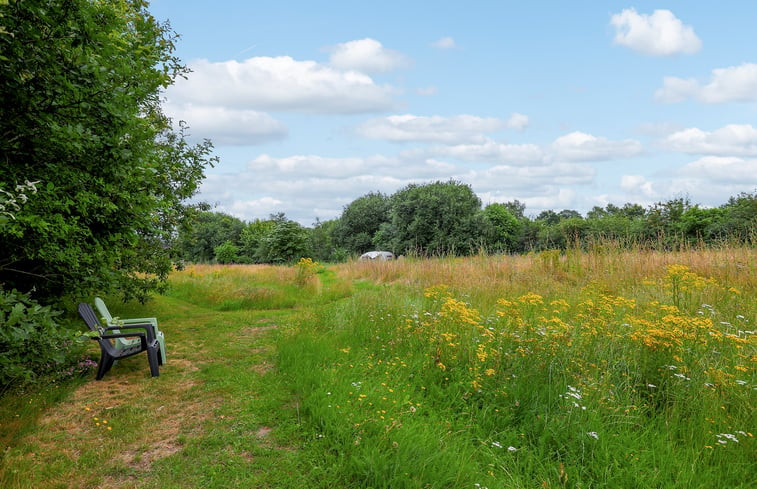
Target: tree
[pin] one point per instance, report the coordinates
(439, 217)
(206, 231)
(80, 84)
(322, 242)
(505, 226)
(252, 235)
(287, 242)
(360, 221)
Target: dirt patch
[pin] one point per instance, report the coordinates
(256, 330)
(263, 431)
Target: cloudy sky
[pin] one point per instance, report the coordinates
(561, 105)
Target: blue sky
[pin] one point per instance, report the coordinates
(561, 105)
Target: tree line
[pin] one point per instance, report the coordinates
(442, 218)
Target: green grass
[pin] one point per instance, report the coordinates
(539, 371)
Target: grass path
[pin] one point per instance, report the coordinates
(216, 417)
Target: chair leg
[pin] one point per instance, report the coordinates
(106, 361)
(152, 357)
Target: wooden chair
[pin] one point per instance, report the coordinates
(126, 342)
(108, 350)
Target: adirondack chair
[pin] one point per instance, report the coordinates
(129, 342)
(109, 353)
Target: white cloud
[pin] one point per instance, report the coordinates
(659, 34)
(444, 43)
(731, 140)
(303, 166)
(732, 84)
(228, 126)
(658, 129)
(579, 146)
(517, 121)
(637, 185)
(367, 56)
(723, 170)
(448, 130)
(280, 83)
(490, 151)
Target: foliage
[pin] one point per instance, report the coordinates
(323, 241)
(252, 235)
(306, 270)
(440, 217)
(33, 345)
(285, 243)
(506, 228)
(80, 86)
(360, 221)
(205, 232)
(227, 253)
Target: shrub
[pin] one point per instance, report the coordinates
(32, 343)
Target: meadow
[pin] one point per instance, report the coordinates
(603, 368)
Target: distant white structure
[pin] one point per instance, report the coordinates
(377, 255)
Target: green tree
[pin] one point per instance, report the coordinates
(506, 228)
(80, 84)
(440, 217)
(252, 235)
(207, 230)
(287, 242)
(227, 253)
(360, 221)
(322, 241)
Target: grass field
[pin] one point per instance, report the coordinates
(592, 369)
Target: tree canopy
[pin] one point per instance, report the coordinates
(80, 84)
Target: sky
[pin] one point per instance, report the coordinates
(560, 105)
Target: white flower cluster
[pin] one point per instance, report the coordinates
(11, 202)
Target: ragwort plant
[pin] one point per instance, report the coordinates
(603, 390)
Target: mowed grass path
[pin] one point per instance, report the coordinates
(218, 416)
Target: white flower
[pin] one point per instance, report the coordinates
(511, 449)
(593, 434)
(496, 444)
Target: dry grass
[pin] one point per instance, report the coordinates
(612, 268)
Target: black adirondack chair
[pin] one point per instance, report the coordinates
(109, 352)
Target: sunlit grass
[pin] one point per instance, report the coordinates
(606, 369)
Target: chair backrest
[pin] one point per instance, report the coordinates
(88, 315)
(103, 310)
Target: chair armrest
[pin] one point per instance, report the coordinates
(143, 340)
(148, 327)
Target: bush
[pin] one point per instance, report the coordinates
(32, 343)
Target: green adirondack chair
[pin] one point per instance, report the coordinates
(122, 343)
(142, 337)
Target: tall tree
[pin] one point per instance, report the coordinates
(360, 221)
(205, 232)
(439, 217)
(80, 84)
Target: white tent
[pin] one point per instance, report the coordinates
(377, 255)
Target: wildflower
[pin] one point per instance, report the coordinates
(511, 449)
(593, 434)
(496, 444)
(727, 436)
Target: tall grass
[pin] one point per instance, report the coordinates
(601, 369)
